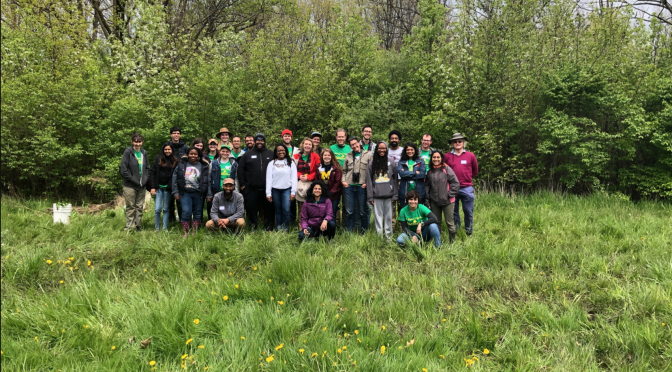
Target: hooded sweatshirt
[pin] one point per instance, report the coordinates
(382, 186)
(441, 184)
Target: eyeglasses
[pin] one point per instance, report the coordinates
(458, 141)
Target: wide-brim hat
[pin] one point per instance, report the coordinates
(457, 136)
(222, 131)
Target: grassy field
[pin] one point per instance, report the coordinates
(545, 283)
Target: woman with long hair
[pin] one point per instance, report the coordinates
(317, 217)
(191, 184)
(161, 176)
(331, 174)
(307, 163)
(441, 186)
(411, 169)
(382, 190)
(281, 185)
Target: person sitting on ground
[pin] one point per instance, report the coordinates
(228, 210)
(191, 183)
(317, 217)
(417, 221)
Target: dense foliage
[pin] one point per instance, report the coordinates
(548, 94)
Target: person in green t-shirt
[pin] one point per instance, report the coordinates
(212, 149)
(134, 172)
(426, 149)
(417, 221)
(340, 149)
(224, 165)
(366, 142)
(236, 151)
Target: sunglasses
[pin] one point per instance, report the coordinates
(458, 141)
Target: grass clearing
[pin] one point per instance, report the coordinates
(546, 282)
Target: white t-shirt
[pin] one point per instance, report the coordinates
(395, 154)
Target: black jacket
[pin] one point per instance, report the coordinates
(161, 175)
(129, 170)
(179, 183)
(252, 168)
(179, 149)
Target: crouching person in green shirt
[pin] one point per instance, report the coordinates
(417, 221)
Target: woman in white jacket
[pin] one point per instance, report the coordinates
(281, 183)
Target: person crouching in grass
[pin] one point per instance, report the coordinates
(228, 210)
(417, 222)
(317, 216)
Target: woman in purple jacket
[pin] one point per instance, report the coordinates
(317, 217)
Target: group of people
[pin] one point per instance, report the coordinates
(235, 184)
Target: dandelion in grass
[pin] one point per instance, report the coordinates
(269, 359)
(383, 327)
(49, 262)
(486, 351)
(185, 356)
(345, 348)
(269, 280)
(152, 363)
(88, 262)
(281, 303)
(360, 341)
(225, 298)
(255, 269)
(237, 286)
(443, 320)
(279, 347)
(475, 358)
(324, 329)
(424, 370)
(197, 321)
(336, 316)
(242, 338)
(382, 349)
(313, 355)
(301, 351)
(61, 282)
(36, 339)
(189, 341)
(201, 347)
(356, 332)
(442, 357)
(114, 348)
(339, 351)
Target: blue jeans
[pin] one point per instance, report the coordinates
(192, 203)
(466, 196)
(430, 232)
(356, 196)
(162, 204)
(281, 204)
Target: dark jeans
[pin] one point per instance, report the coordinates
(466, 196)
(292, 211)
(315, 232)
(356, 208)
(281, 204)
(252, 200)
(207, 205)
(192, 204)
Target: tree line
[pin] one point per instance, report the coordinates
(551, 94)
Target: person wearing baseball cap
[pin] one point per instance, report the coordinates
(465, 166)
(252, 177)
(287, 141)
(228, 210)
(212, 153)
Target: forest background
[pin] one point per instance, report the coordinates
(551, 93)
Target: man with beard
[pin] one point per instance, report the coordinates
(366, 143)
(394, 152)
(249, 142)
(227, 210)
(286, 137)
(236, 151)
(252, 176)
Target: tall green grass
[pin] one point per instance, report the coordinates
(546, 282)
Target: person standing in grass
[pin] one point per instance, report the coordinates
(465, 166)
(134, 172)
(412, 171)
(236, 151)
(228, 210)
(161, 176)
(426, 149)
(252, 176)
(223, 167)
(331, 174)
(355, 172)
(179, 150)
(382, 191)
(307, 163)
(191, 184)
(340, 148)
(317, 139)
(212, 149)
(317, 217)
(417, 222)
(281, 183)
(441, 186)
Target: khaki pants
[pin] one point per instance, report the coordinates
(135, 202)
(447, 211)
(234, 226)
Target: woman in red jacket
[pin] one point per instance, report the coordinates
(331, 173)
(307, 163)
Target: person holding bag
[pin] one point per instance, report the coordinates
(441, 186)
(382, 191)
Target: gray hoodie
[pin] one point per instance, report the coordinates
(383, 187)
(232, 209)
(437, 182)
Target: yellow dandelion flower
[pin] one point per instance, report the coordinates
(49, 262)
(61, 282)
(442, 357)
(269, 280)
(360, 341)
(345, 348)
(279, 347)
(281, 303)
(185, 356)
(255, 269)
(88, 262)
(382, 349)
(356, 332)
(189, 341)
(201, 347)
(152, 363)
(424, 370)
(663, 324)
(237, 286)
(206, 368)
(336, 316)
(225, 298)
(36, 339)
(313, 355)
(475, 358)
(354, 363)
(114, 348)
(383, 327)
(196, 321)
(486, 351)
(444, 319)
(301, 351)
(242, 337)
(324, 329)
(339, 351)
(259, 301)
(86, 326)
